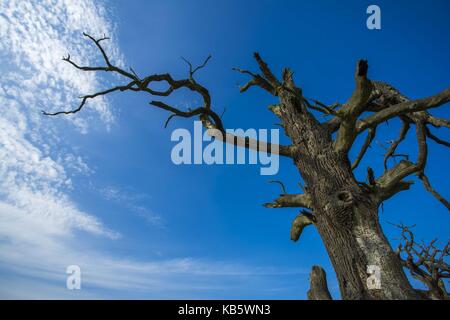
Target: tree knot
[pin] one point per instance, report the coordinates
(344, 197)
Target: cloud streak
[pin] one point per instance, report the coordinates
(132, 202)
(33, 171)
(42, 257)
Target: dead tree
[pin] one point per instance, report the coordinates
(343, 209)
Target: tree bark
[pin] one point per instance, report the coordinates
(346, 213)
(318, 285)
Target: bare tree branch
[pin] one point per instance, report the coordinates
(437, 122)
(194, 70)
(389, 184)
(283, 188)
(210, 119)
(431, 190)
(404, 108)
(302, 220)
(393, 146)
(391, 181)
(425, 262)
(370, 136)
(97, 43)
(91, 96)
(290, 201)
(266, 81)
(436, 139)
(388, 102)
(353, 108)
(257, 80)
(266, 71)
(323, 108)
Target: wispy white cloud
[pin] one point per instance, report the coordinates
(131, 201)
(35, 175)
(42, 257)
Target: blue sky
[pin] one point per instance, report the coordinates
(99, 189)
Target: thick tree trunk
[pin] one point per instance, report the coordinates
(346, 213)
(355, 243)
(347, 221)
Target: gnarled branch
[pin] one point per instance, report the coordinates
(353, 108)
(209, 118)
(290, 201)
(256, 80)
(266, 81)
(302, 220)
(389, 184)
(370, 136)
(431, 190)
(404, 108)
(391, 181)
(393, 146)
(436, 139)
(425, 262)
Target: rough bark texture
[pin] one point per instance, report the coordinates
(346, 214)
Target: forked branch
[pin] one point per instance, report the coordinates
(210, 119)
(353, 108)
(391, 182)
(393, 146)
(404, 108)
(386, 102)
(266, 80)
